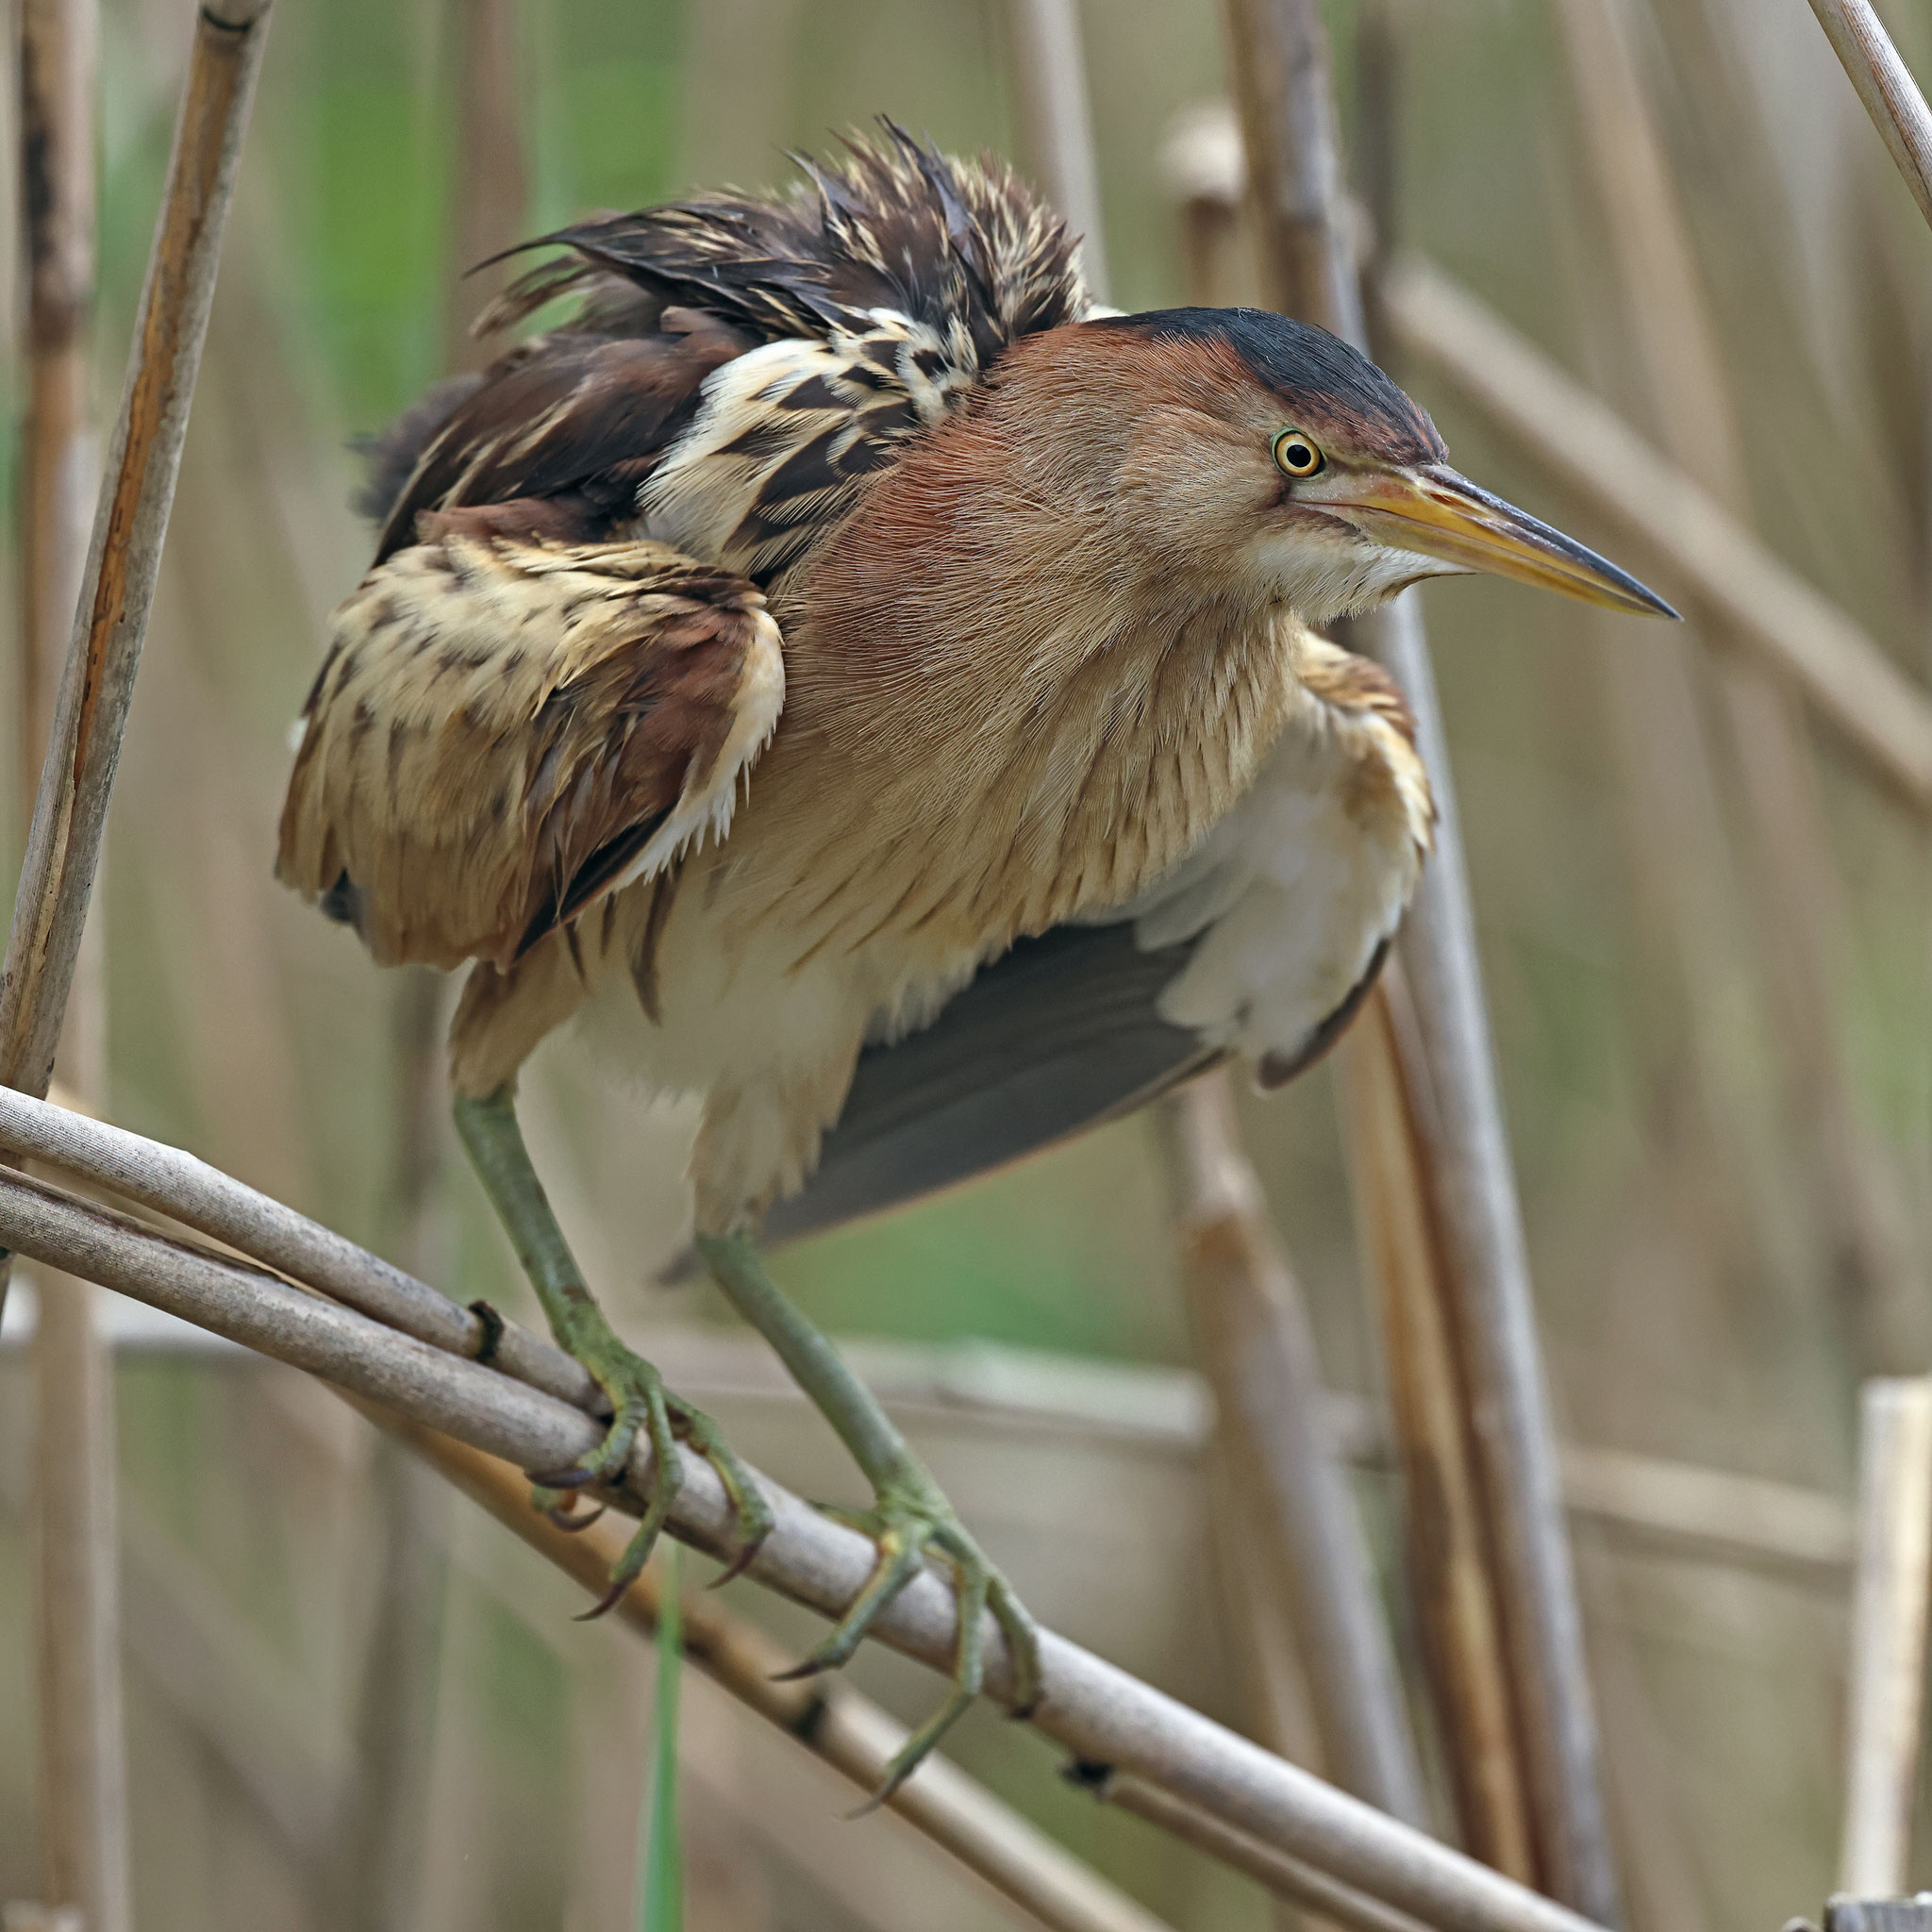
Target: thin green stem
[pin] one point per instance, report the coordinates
(660, 1884)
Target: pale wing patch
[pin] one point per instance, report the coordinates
(786, 431)
(1292, 897)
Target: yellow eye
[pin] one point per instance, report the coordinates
(1295, 456)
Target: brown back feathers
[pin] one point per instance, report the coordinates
(907, 272)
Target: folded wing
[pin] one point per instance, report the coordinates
(1260, 944)
(505, 730)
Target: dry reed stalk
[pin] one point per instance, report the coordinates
(1888, 1627)
(824, 1715)
(82, 1745)
(1278, 66)
(1450, 1560)
(199, 1196)
(83, 1753)
(487, 210)
(1254, 1343)
(1288, 1878)
(1278, 59)
(1682, 536)
(91, 711)
(1802, 1535)
(1099, 1713)
(1667, 317)
(57, 59)
(1885, 85)
(1258, 1351)
(1056, 122)
(1276, 1701)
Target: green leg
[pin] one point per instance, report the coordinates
(639, 1399)
(911, 1514)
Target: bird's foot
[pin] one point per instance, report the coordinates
(640, 1403)
(911, 1517)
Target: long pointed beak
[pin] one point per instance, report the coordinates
(1443, 514)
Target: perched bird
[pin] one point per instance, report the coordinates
(886, 692)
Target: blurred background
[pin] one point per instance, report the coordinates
(353, 1701)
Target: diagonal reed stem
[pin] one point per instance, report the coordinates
(1288, 1878)
(1886, 86)
(1099, 1713)
(1683, 536)
(1258, 1349)
(825, 1715)
(1451, 1552)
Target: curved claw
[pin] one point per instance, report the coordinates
(574, 1477)
(1023, 1647)
(563, 1515)
(606, 1603)
(811, 1667)
(918, 1748)
(747, 1555)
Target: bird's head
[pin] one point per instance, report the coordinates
(1286, 465)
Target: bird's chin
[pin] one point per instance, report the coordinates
(1398, 569)
(1348, 580)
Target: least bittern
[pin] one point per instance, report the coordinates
(892, 689)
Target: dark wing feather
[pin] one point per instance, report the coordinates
(1057, 1035)
(392, 454)
(567, 415)
(955, 248)
(956, 256)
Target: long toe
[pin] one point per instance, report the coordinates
(919, 1747)
(908, 1524)
(641, 1404)
(752, 1520)
(899, 1561)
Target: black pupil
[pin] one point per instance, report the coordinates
(1299, 456)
